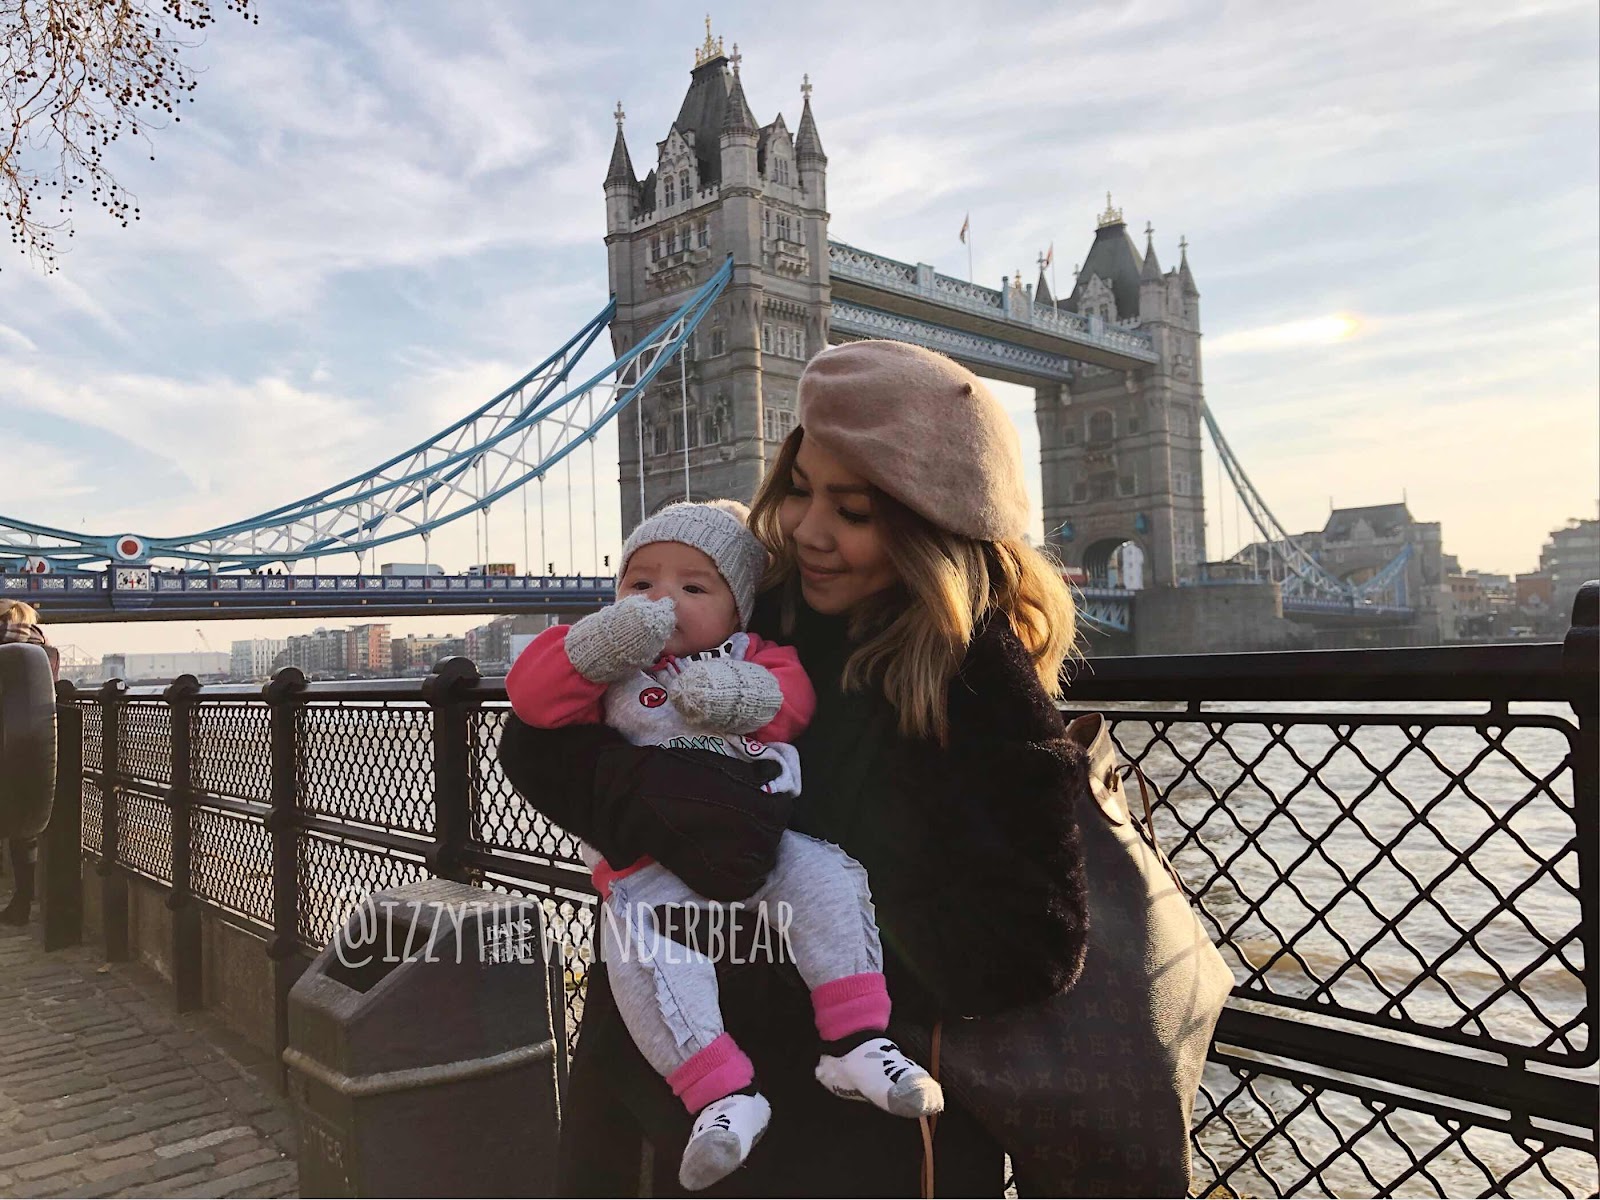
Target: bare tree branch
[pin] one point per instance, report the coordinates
(75, 76)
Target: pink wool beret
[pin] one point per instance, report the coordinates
(922, 428)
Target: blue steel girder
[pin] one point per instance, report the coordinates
(1105, 608)
(1304, 575)
(516, 437)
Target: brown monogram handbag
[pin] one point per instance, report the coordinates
(1091, 1092)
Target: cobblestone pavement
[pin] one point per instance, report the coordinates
(105, 1091)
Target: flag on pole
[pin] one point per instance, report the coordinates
(966, 223)
(1050, 255)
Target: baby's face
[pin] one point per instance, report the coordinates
(707, 615)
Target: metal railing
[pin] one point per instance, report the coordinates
(1396, 851)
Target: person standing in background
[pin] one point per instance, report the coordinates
(19, 622)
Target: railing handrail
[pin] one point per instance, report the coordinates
(1497, 671)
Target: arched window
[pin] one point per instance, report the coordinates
(669, 194)
(705, 234)
(1101, 428)
(683, 183)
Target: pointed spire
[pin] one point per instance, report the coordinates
(807, 145)
(1152, 268)
(621, 170)
(1184, 276)
(1111, 216)
(1041, 292)
(738, 118)
(711, 50)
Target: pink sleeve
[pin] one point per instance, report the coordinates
(799, 697)
(545, 689)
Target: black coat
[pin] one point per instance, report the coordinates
(976, 871)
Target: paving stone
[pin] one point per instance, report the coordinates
(237, 1185)
(204, 1140)
(104, 1091)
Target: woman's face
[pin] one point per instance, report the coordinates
(838, 539)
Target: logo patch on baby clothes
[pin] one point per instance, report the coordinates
(754, 748)
(653, 697)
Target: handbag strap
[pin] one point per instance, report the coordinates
(1150, 827)
(929, 1124)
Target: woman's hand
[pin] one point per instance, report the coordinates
(629, 636)
(701, 814)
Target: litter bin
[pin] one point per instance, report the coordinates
(420, 1058)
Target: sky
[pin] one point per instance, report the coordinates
(374, 216)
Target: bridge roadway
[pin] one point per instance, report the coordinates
(142, 594)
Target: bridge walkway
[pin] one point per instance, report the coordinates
(104, 1091)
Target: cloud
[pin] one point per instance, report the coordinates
(16, 339)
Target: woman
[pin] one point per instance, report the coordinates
(934, 637)
(19, 622)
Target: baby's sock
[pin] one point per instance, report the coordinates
(851, 1005)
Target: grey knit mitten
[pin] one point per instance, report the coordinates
(613, 643)
(726, 695)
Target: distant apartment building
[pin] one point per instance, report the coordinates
(490, 646)
(318, 654)
(1570, 557)
(1533, 591)
(367, 650)
(415, 654)
(164, 667)
(1498, 591)
(252, 658)
(1468, 593)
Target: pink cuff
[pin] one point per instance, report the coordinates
(717, 1071)
(851, 1005)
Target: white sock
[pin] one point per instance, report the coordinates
(877, 1072)
(724, 1134)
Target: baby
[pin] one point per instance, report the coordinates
(670, 664)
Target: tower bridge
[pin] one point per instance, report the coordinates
(724, 280)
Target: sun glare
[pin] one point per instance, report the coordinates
(1313, 331)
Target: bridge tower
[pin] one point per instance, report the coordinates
(721, 186)
(1120, 450)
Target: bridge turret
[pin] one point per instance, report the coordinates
(1152, 284)
(808, 151)
(724, 188)
(1120, 453)
(739, 137)
(622, 184)
(1191, 293)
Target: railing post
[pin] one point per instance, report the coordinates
(284, 695)
(113, 883)
(186, 968)
(60, 847)
(1581, 660)
(452, 765)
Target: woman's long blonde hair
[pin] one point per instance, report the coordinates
(16, 610)
(913, 637)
